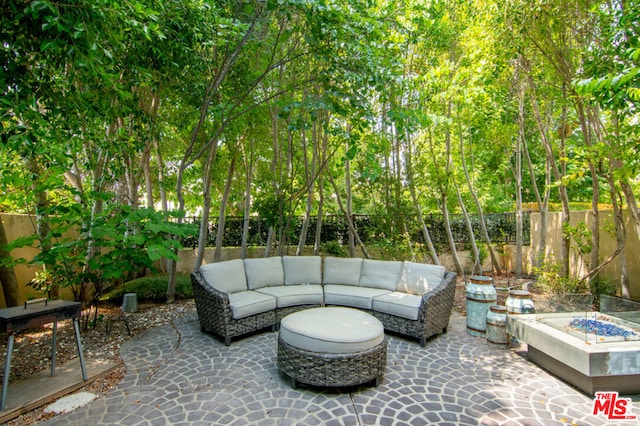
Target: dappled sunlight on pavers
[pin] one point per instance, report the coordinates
(176, 374)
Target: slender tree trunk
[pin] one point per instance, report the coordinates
(616, 201)
(348, 218)
(388, 179)
(97, 205)
(476, 200)
(397, 218)
(465, 214)
(42, 222)
(277, 174)
(161, 187)
(318, 237)
(538, 257)
(412, 189)
(84, 292)
(472, 238)
(270, 237)
(562, 190)
(223, 208)
(248, 167)
(518, 172)
(132, 181)
(349, 207)
(207, 176)
(277, 177)
(443, 200)
(444, 193)
(189, 157)
(317, 244)
(310, 172)
(595, 194)
(146, 169)
(164, 204)
(625, 186)
(447, 227)
(425, 230)
(621, 234)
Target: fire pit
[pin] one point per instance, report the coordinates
(602, 328)
(594, 351)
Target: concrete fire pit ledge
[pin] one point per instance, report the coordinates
(590, 362)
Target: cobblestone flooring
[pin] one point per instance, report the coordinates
(178, 376)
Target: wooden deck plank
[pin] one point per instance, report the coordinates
(41, 388)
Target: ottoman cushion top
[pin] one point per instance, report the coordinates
(333, 330)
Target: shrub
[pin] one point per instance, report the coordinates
(333, 248)
(600, 287)
(550, 280)
(152, 288)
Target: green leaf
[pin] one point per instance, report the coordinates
(157, 252)
(137, 239)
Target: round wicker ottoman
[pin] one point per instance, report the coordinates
(332, 347)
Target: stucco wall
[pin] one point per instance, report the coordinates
(16, 226)
(22, 225)
(578, 265)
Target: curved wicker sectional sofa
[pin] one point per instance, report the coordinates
(237, 297)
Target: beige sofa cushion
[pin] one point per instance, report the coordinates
(349, 295)
(294, 295)
(302, 270)
(420, 278)
(264, 272)
(247, 303)
(341, 270)
(380, 274)
(400, 304)
(333, 330)
(227, 277)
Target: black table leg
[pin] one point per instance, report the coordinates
(76, 327)
(54, 335)
(7, 368)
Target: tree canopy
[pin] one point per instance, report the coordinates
(300, 108)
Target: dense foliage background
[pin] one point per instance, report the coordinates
(289, 108)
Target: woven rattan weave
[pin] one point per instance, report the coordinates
(433, 317)
(215, 316)
(214, 313)
(332, 370)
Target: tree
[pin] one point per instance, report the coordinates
(394, 109)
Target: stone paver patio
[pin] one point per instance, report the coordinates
(178, 375)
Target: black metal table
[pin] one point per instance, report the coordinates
(33, 315)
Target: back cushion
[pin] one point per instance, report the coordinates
(380, 274)
(420, 278)
(227, 277)
(302, 269)
(341, 270)
(264, 272)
